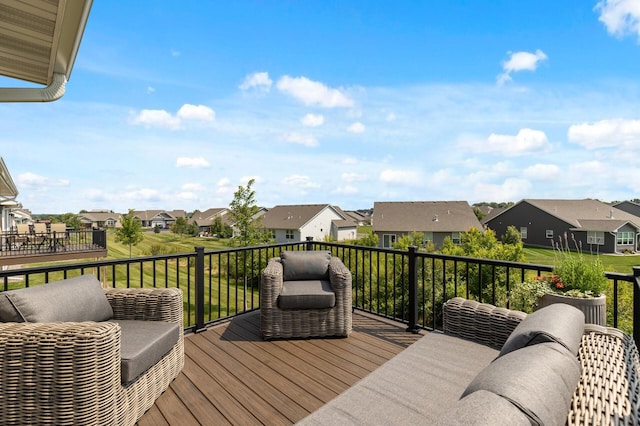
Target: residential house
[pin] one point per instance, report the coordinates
(436, 220)
(8, 194)
(629, 207)
(359, 218)
(294, 223)
(100, 219)
(204, 220)
(163, 219)
(595, 226)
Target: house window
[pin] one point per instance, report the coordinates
(388, 240)
(111, 222)
(549, 233)
(289, 234)
(625, 238)
(523, 232)
(455, 237)
(595, 237)
(427, 237)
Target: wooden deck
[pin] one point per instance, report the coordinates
(232, 376)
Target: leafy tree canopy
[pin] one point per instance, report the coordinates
(130, 232)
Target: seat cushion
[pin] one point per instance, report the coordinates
(560, 323)
(72, 300)
(305, 265)
(307, 294)
(540, 380)
(483, 408)
(143, 344)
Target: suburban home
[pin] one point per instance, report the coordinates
(100, 219)
(294, 223)
(359, 218)
(629, 207)
(436, 220)
(204, 220)
(163, 219)
(596, 226)
(8, 194)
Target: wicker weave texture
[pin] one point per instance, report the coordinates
(69, 373)
(301, 323)
(609, 389)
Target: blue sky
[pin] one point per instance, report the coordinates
(172, 105)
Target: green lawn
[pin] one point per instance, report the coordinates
(611, 262)
(167, 242)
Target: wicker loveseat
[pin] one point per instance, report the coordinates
(490, 367)
(82, 371)
(305, 294)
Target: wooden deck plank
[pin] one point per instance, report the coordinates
(232, 376)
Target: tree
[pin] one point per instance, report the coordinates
(244, 210)
(130, 232)
(71, 220)
(180, 226)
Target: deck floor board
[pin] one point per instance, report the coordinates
(232, 376)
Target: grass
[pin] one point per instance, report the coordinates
(612, 262)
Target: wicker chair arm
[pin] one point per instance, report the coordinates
(339, 275)
(480, 322)
(57, 369)
(146, 304)
(271, 284)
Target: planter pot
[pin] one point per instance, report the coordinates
(594, 308)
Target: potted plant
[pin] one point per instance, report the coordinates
(575, 280)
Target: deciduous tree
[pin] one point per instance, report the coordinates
(130, 232)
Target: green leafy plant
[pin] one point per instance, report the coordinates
(577, 275)
(526, 295)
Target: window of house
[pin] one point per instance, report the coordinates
(523, 232)
(388, 240)
(289, 234)
(549, 233)
(111, 222)
(427, 237)
(595, 237)
(455, 237)
(625, 238)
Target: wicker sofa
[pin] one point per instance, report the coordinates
(490, 366)
(305, 294)
(78, 371)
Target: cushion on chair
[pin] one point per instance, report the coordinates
(305, 265)
(483, 408)
(559, 323)
(306, 294)
(74, 300)
(540, 380)
(143, 344)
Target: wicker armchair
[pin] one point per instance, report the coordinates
(69, 372)
(289, 322)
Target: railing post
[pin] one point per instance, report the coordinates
(309, 243)
(413, 291)
(636, 304)
(199, 278)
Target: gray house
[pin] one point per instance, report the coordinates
(293, 223)
(596, 226)
(436, 220)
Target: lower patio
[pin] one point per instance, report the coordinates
(232, 376)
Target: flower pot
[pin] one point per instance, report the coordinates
(594, 308)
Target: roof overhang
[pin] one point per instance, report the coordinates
(8, 190)
(39, 40)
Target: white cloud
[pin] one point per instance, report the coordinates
(346, 190)
(349, 161)
(606, 133)
(621, 17)
(302, 139)
(356, 127)
(193, 187)
(509, 190)
(404, 177)
(192, 162)
(312, 92)
(187, 195)
(157, 118)
(196, 112)
(162, 118)
(32, 180)
(258, 80)
(542, 172)
(313, 120)
(300, 181)
(391, 117)
(520, 61)
(524, 142)
(352, 177)
(223, 181)
(245, 179)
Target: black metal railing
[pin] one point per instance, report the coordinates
(406, 285)
(31, 243)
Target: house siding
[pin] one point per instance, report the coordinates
(320, 226)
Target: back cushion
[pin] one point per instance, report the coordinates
(305, 265)
(560, 323)
(72, 300)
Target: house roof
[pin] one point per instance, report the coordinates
(420, 216)
(100, 216)
(292, 216)
(579, 213)
(604, 225)
(8, 189)
(207, 217)
(39, 40)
